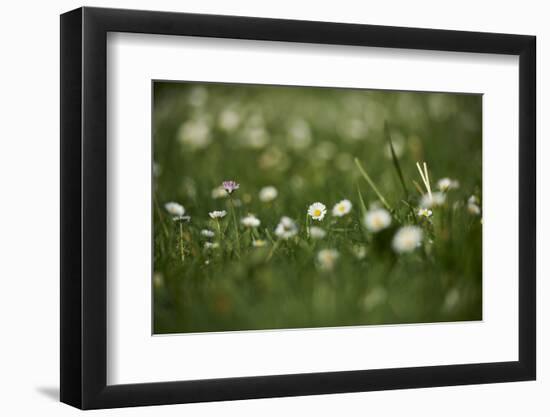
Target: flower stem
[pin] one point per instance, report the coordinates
(181, 242)
(273, 248)
(236, 228)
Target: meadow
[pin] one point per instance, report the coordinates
(297, 207)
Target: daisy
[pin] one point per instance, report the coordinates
(230, 186)
(259, 243)
(211, 245)
(174, 209)
(327, 258)
(158, 279)
(286, 228)
(219, 192)
(377, 219)
(407, 239)
(299, 134)
(424, 212)
(436, 199)
(250, 221)
(217, 214)
(207, 233)
(325, 151)
(156, 169)
(451, 299)
(446, 184)
(354, 130)
(473, 206)
(317, 233)
(229, 120)
(268, 194)
(255, 137)
(374, 297)
(194, 134)
(317, 211)
(342, 208)
(198, 96)
(360, 251)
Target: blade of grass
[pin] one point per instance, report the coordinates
(418, 187)
(427, 180)
(363, 206)
(395, 160)
(371, 183)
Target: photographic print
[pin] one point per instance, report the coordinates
(285, 207)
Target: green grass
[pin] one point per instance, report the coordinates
(363, 146)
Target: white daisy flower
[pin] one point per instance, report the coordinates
(250, 221)
(374, 297)
(451, 299)
(255, 137)
(175, 209)
(219, 192)
(217, 214)
(446, 184)
(268, 194)
(259, 243)
(158, 279)
(286, 228)
(194, 134)
(377, 219)
(354, 130)
(437, 199)
(317, 233)
(325, 151)
(327, 258)
(229, 120)
(407, 239)
(299, 134)
(198, 96)
(207, 233)
(360, 251)
(211, 245)
(473, 206)
(342, 208)
(156, 169)
(317, 211)
(424, 212)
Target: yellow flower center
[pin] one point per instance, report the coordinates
(316, 212)
(341, 209)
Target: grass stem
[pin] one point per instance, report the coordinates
(371, 183)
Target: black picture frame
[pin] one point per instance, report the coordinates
(84, 207)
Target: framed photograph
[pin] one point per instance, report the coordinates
(258, 208)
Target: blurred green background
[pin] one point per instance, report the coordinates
(303, 141)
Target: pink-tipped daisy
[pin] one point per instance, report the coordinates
(230, 186)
